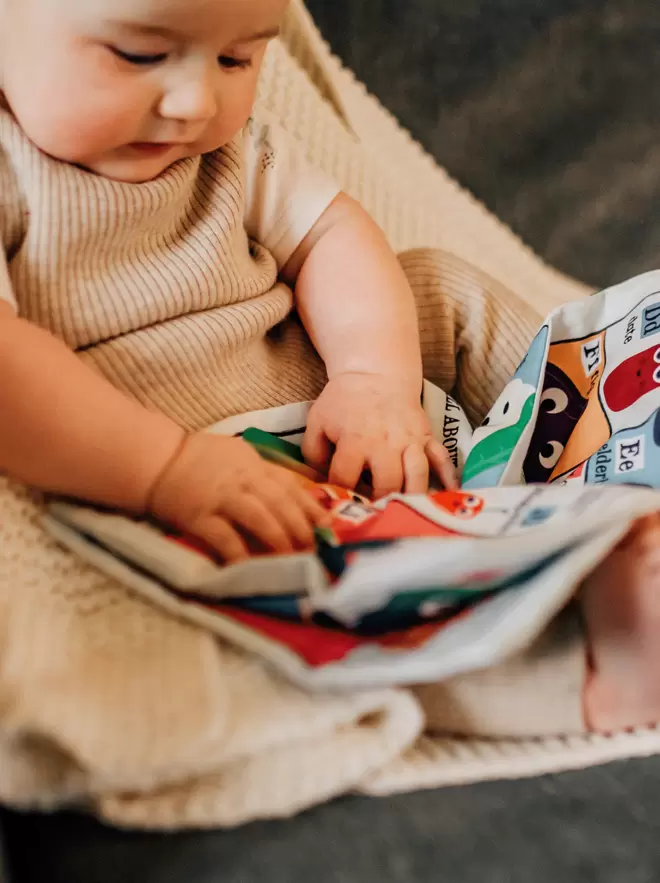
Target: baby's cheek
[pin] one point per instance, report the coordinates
(47, 123)
(92, 133)
(70, 137)
(234, 110)
(71, 122)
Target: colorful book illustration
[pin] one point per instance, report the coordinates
(418, 588)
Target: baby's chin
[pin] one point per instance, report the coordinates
(132, 170)
(122, 164)
(126, 176)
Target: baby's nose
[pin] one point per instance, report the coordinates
(193, 100)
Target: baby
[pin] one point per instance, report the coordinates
(155, 242)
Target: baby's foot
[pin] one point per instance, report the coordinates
(621, 607)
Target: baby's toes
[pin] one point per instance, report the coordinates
(643, 545)
(621, 608)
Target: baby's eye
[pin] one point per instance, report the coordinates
(231, 63)
(141, 59)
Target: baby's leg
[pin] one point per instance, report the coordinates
(474, 331)
(621, 608)
(598, 669)
(474, 334)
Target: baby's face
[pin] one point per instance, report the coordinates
(125, 88)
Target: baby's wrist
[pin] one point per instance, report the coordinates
(153, 493)
(406, 382)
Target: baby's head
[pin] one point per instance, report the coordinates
(125, 88)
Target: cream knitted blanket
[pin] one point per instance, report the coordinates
(111, 703)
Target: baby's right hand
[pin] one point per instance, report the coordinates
(221, 491)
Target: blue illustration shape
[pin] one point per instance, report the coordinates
(529, 370)
(537, 516)
(280, 606)
(631, 456)
(650, 320)
(497, 437)
(487, 478)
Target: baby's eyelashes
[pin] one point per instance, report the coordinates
(149, 59)
(138, 58)
(231, 63)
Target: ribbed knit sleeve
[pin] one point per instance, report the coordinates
(284, 194)
(13, 218)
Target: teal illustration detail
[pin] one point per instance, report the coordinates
(496, 439)
(495, 449)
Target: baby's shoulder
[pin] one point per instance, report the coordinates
(15, 153)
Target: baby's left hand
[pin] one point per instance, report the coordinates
(369, 421)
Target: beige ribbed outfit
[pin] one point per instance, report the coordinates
(158, 287)
(149, 721)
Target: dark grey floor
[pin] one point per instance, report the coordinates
(597, 826)
(547, 109)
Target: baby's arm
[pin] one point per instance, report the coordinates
(358, 308)
(65, 429)
(354, 299)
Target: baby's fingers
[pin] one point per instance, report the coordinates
(441, 464)
(348, 463)
(387, 471)
(255, 516)
(219, 535)
(314, 511)
(299, 522)
(316, 448)
(415, 469)
(296, 510)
